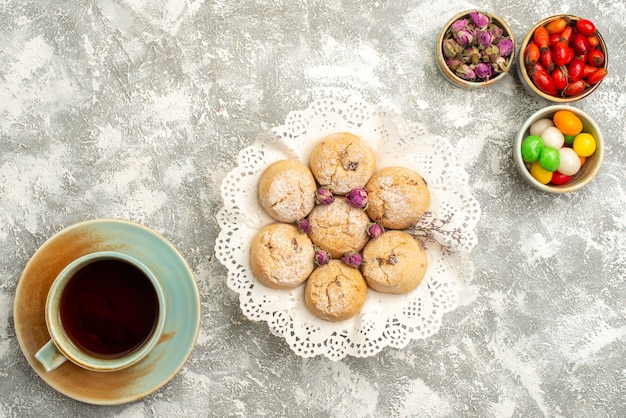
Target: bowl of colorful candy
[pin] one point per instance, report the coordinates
(559, 149)
(475, 49)
(562, 59)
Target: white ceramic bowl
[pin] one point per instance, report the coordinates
(589, 169)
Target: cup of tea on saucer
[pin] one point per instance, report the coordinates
(105, 311)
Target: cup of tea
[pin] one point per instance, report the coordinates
(105, 311)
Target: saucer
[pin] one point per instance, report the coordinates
(181, 327)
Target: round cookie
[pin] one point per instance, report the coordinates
(338, 228)
(335, 291)
(281, 257)
(287, 190)
(395, 262)
(397, 197)
(342, 162)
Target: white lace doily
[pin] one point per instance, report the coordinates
(447, 232)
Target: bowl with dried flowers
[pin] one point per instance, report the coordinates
(475, 49)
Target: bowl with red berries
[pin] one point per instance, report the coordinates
(563, 59)
(559, 149)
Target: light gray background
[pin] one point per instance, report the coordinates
(136, 109)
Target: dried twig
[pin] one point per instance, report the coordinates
(431, 230)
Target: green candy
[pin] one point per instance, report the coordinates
(549, 159)
(531, 148)
(569, 139)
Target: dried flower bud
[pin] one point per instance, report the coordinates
(323, 196)
(506, 47)
(352, 259)
(496, 32)
(483, 38)
(471, 55)
(304, 225)
(451, 48)
(453, 63)
(500, 65)
(321, 257)
(483, 71)
(458, 25)
(464, 37)
(479, 19)
(357, 198)
(492, 53)
(375, 230)
(465, 72)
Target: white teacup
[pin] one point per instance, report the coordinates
(105, 311)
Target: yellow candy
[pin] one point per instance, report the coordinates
(540, 174)
(584, 144)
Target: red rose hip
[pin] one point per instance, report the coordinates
(544, 82)
(586, 27)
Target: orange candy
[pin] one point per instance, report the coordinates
(567, 122)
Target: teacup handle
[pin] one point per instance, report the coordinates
(50, 356)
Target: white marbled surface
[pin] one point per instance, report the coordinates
(136, 109)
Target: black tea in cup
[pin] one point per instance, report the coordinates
(109, 308)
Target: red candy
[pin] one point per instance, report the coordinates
(559, 178)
